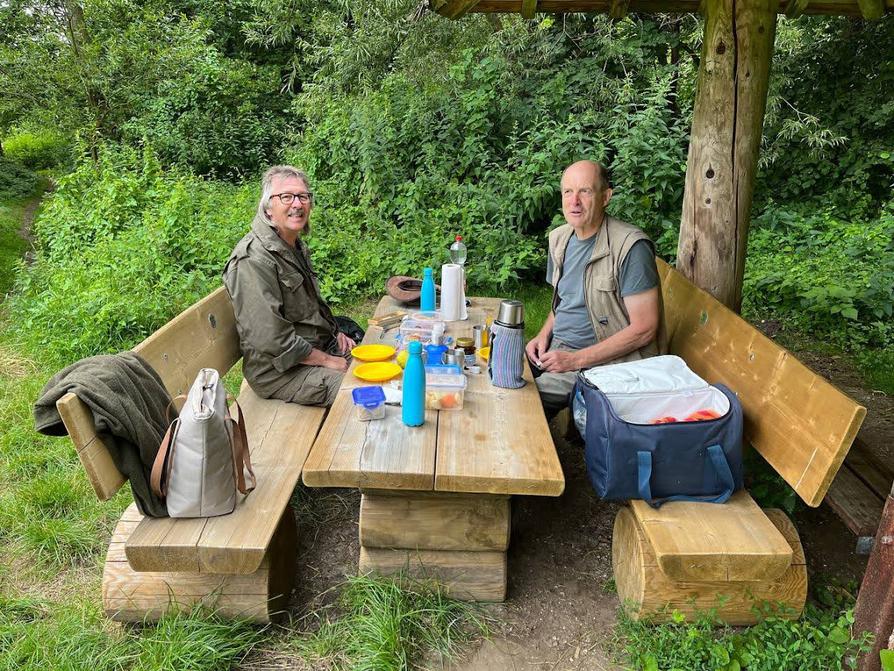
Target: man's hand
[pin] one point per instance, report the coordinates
(345, 344)
(536, 348)
(338, 363)
(559, 361)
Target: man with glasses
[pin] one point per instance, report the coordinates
(606, 296)
(291, 345)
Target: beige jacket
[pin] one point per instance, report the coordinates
(280, 315)
(601, 280)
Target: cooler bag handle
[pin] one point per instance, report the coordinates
(721, 469)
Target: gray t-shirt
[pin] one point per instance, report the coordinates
(572, 326)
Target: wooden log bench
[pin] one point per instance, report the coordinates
(695, 556)
(242, 564)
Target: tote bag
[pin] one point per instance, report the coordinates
(204, 457)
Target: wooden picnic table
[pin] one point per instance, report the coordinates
(436, 498)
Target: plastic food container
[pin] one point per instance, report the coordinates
(444, 390)
(369, 402)
(414, 328)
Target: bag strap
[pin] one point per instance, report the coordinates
(156, 479)
(171, 406)
(720, 468)
(241, 456)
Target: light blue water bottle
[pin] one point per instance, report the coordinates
(413, 401)
(428, 292)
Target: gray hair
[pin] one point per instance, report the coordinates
(273, 173)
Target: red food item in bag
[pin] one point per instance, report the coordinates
(702, 415)
(664, 420)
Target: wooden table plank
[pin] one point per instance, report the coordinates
(498, 444)
(483, 448)
(382, 454)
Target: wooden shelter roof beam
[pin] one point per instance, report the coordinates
(856, 8)
(794, 8)
(872, 9)
(453, 9)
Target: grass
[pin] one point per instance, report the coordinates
(37, 635)
(383, 624)
(12, 245)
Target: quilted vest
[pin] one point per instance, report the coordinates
(602, 291)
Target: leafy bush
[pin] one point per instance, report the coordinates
(38, 149)
(821, 639)
(400, 170)
(124, 246)
(831, 277)
(16, 181)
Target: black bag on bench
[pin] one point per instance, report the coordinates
(644, 439)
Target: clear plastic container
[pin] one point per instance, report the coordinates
(444, 390)
(423, 330)
(369, 402)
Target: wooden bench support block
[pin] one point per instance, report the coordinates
(423, 521)
(131, 596)
(701, 541)
(474, 576)
(647, 592)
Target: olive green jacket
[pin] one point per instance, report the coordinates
(280, 315)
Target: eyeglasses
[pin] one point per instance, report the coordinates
(289, 198)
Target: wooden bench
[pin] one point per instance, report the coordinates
(695, 556)
(859, 491)
(241, 564)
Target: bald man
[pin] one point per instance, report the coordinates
(606, 296)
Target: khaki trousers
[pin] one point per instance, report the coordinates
(555, 388)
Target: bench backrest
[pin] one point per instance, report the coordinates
(202, 336)
(798, 421)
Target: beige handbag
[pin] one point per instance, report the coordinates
(203, 458)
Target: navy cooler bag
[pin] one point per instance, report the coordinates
(629, 457)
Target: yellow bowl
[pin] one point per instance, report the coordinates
(377, 372)
(373, 352)
(484, 354)
(402, 358)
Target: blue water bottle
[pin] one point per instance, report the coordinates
(413, 401)
(428, 292)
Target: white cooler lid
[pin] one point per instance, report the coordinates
(656, 374)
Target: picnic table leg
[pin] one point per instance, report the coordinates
(458, 539)
(875, 603)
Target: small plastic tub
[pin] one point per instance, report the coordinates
(445, 391)
(369, 402)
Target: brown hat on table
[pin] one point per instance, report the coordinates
(406, 289)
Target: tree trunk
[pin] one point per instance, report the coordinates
(875, 603)
(723, 148)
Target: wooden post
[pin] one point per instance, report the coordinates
(875, 603)
(723, 148)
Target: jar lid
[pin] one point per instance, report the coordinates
(368, 397)
(464, 342)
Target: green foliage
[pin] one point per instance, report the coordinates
(123, 247)
(831, 277)
(399, 170)
(69, 637)
(37, 149)
(822, 639)
(386, 624)
(766, 485)
(16, 181)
